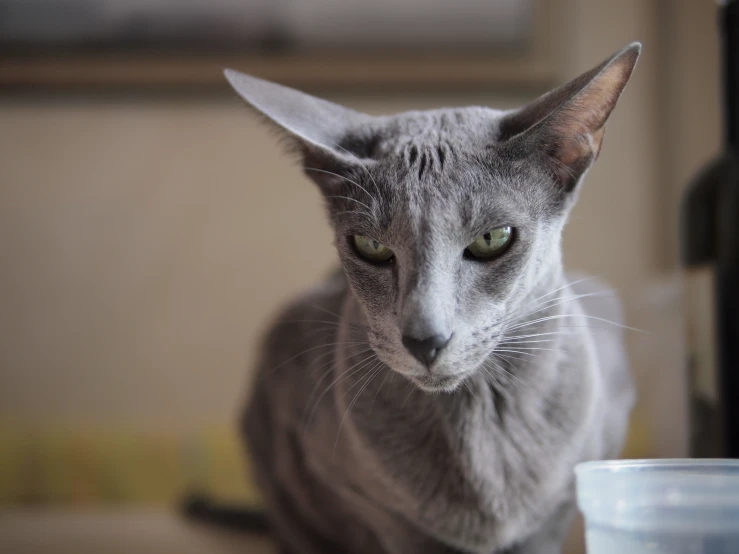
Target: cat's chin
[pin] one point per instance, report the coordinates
(437, 383)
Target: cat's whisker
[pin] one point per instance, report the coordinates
(341, 177)
(337, 316)
(585, 316)
(330, 355)
(568, 326)
(372, 374)
(362, 165)
(469, 389)
(339, 379)
(307, 350)
(532, 335)
(296, 321)
(368, 371)
(330, 370)
(506, 372)
(345, 375)
(351, 200)
(355, 212)
(566, 285)
(539, 305)
(413, 389)
(493, 377)
(387, 390)
(551, 303)
(520, 341)
(558, 301)
(510, 358)
(387, 374)
(322, 332)
(533, 348)
(515, 352)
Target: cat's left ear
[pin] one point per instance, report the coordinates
(329, 137)
(567, 125)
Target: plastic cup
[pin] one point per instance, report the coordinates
(660, 506)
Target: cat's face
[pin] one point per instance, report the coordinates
(460, 231)
(446, 220)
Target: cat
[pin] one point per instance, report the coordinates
(434, 395)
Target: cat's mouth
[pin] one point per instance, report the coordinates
(438, 383)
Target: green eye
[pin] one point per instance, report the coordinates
(371, 250)
(490, 245)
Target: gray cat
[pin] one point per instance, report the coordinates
(435, 395)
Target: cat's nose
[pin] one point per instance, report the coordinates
(426, 350)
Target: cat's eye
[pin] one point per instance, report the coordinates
(371, 250)
(490, 245)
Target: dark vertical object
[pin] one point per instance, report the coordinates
(728, 238)
(729, 23)
(710, 254)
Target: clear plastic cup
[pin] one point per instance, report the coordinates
(660, 506)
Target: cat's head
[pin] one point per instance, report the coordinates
(445, 220)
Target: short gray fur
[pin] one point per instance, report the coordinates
(358, 447)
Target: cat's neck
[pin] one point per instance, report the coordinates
(529, 420)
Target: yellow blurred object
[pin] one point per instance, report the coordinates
(83, 467)
(114, 467)
(637, 440)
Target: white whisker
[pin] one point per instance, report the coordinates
(387, 374)
(532, 335)
(570, 284)
(413, 388)
(495, 380)
(372, 374)
(350, 199)
(364, 214)
(338, 317)
(552, 303)
(340, 177)
(520, 341)
(362, 165)
(506, 372)
(562, 316)
(291, 358)
(515, 352)
(345, 375)
(335, 362)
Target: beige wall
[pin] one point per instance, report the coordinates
(144, 247)
(144, 244)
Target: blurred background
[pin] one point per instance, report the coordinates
(144, 213)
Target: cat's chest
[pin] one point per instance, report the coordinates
(477, 470)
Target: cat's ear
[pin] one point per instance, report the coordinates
(327, 136)
(567, 124)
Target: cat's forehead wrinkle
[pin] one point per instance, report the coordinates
(426, 138)
(435, 168)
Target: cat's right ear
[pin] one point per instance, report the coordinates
(327, 136)
(566, 126)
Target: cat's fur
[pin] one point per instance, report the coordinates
(356, 445)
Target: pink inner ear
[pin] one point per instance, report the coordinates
(575, 149)
(597, 137)
(578, 127)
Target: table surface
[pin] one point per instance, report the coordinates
(141, 532)
(114, 532)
